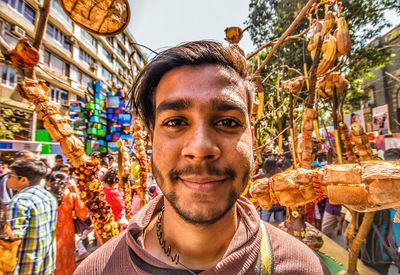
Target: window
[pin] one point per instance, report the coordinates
(118, 67)
(23, 8)
(58, 36)
(121, 51)
(110, 40)
(10, 39)
(54, 62)
(45, 57)
(75, 75)
(105, 74)
(8, 75)
(106, 56)
(79, 76)
(80, 99)
(85, 57)
(55, 5)
(86, 79)
(122, 37)
(88, 38)
(59, 65)
(58, 95)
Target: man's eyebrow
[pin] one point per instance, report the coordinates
(228, 104)
(174, 105)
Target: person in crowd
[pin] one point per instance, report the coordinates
(112, 162)
(332, 220)
(46, 162)
(135, 168)
(196, 101)
(104, 165)
(58, 161)
(113, 194)
(65, 168)
(271, 166)
(6, 193)
(32, 216)
(70, 207)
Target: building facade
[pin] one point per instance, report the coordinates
(70, 57)
(384, 88)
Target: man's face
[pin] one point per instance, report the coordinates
(16, 182)
(59, 161)
(202, 146)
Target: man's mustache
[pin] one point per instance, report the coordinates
(208, 170)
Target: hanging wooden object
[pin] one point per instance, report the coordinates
(102, 17)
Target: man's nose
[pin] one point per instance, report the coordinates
(201, 144)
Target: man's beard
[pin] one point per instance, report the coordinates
(173, 198)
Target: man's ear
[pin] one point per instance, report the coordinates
(24, 180)
(151, 135)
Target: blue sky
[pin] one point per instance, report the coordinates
(161, 24)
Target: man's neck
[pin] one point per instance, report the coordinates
(199, 247)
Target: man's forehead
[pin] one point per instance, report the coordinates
(216, 82)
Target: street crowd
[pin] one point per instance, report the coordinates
(44, 210)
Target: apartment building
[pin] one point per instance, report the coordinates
(384, 88)
(70, 57)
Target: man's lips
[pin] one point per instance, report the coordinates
(202, 184)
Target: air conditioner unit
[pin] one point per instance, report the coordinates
(17, 31)
(64, 103)
(94, 66)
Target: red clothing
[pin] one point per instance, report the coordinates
(65, 232)
(116, 200)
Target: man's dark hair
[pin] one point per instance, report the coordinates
(142, 95)
(110, 157)
(111, 177)
(34, 170)
(57, 182)
(58, 157)
(392, 154)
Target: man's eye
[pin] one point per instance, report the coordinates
(174, 123)
(228, 123)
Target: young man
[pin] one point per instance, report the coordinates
(6, 193)
(58, 161)
(32, 216)
(196, 101)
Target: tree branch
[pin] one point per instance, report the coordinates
(289, 30)
(392, 76)
(389, 46)
(273, 42)
(41, 26)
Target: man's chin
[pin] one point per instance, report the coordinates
(200, 211)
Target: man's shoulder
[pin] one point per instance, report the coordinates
(110, 258)
(35, 195)
(291, 256)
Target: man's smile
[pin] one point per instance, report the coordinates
(202, 183)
